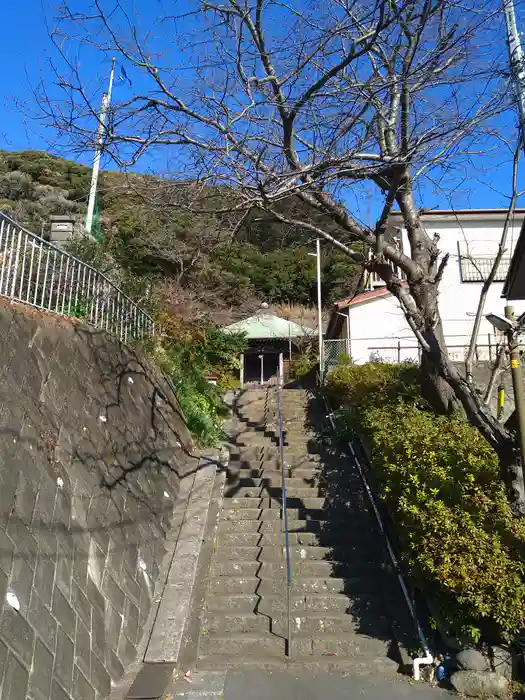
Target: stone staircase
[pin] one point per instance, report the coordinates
(342, 590)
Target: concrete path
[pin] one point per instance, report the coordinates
(266, 685)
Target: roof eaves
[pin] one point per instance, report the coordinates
(518, 258)
(362, 298)
(460, 213)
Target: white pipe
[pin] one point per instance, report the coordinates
(416, 663)
(427, 658)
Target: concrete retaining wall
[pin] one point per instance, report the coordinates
(91, 450)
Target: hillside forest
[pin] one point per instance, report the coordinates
(203, 266)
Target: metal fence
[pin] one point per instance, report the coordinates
(36, 272)
(478, 267)
(334, 351)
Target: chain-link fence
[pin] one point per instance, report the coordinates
(333, 352)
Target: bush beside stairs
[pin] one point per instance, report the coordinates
(343, 593)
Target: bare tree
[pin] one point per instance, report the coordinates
(487, 282)
(272, 100)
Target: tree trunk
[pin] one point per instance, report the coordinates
(446, 389)
(435, 389)
(446, 392)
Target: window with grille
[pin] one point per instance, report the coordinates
(476, 268)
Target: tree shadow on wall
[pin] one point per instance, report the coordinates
(113, 461)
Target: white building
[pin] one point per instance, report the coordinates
(377, 327)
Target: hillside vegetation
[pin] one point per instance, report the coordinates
(203, 265)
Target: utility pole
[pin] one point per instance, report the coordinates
(317, 255)
(517, 68)
(106, 101)
(319, 309)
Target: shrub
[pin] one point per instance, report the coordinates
(302, 365)
(201, 402)
(440, 481)
(187, 354)
(373, 384)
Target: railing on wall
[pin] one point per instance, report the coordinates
(374, 281)
(36, 272)
(483, 352)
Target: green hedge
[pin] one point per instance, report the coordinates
(441, 484)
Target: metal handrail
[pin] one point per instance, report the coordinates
(428, 657)
(284, 518)
(36, 272)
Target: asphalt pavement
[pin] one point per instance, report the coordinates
(260, 685)
(277, 685)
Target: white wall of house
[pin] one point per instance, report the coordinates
(379, 326)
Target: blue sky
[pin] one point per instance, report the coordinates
(25, 51)
(24, 32)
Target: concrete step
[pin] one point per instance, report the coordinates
(294, 525)
(220, 585)
(240, 644)
(272, 463)
(277, 605)
(347, 553)
(273, 492)
(271, 457)
(312, 508)
(277, 569)
(254, 439)
(262, 471)
(293, 417)
(308, 539)
(256, 422)
(297, 440)
(243, 480)
(355, 665)
(318, 508)
(293, 444)
(271, 453)
(222, 623)
(274, 472)
(293, 450)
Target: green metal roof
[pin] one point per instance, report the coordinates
(268, 326)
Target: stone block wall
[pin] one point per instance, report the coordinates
(92, 446)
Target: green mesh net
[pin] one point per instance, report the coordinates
(96, 230)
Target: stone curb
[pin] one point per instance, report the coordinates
(173, 596)
(168, 629)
